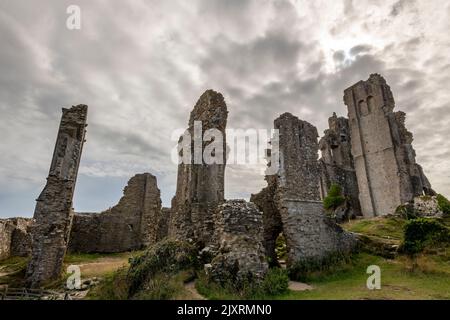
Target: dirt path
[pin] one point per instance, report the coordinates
(299, 286)
(190, 288)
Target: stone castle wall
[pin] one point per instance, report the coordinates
(130, 225)
(295, 193)
(337, 166)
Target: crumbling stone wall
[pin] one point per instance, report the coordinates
(272, 224)
(384, 158)
(200, 186)
(238, 249)
(337, 165)
(130, 225)
(6, 231)
(15, 238)
(53, 213)
(309, 233)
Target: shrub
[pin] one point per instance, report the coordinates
(275, 282)
(334, 198)
(406, 211)
(113, 287)
(422, 232)
(280, 247)
(443, 203)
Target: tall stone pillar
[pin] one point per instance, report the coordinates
(200, 186)
(384, 158)
(53, 213)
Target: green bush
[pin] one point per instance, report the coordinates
(422, 232)
(166, 257)
(334, 198)
(444, 204)
(280, 247)
(275, 282)
(113, 287)
(406, 211)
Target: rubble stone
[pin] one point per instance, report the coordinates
(238, 244)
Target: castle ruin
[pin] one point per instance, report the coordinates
(200, 186)
(369, 155)
(384, 158)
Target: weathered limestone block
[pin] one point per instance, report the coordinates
(200, 186)
(427, 206)
(130, 225)
(337, 165)
(53, 213)
(238, 244)
(384, 158)
(309, 233)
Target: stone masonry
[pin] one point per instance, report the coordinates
(384, 158)
(200, 186)
(309, 233)
(53, 213)
(15, 240)
(130, 225)
(337, 165)
(239, 253)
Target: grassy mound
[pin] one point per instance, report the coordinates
(158, 273)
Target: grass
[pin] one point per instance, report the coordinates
(390, 228)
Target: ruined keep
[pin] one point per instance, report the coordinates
(384, 158)
(294, 196)
(130, 225)
(337, 166)
(200, 186)
(53, 213)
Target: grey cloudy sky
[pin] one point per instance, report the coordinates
(141, 66)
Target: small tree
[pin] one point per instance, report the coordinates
(334, 198)
(443, 203)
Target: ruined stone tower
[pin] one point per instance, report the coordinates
(309, 233)
(53, 213)
(337, 163)
(200, 186)
(385, 164)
